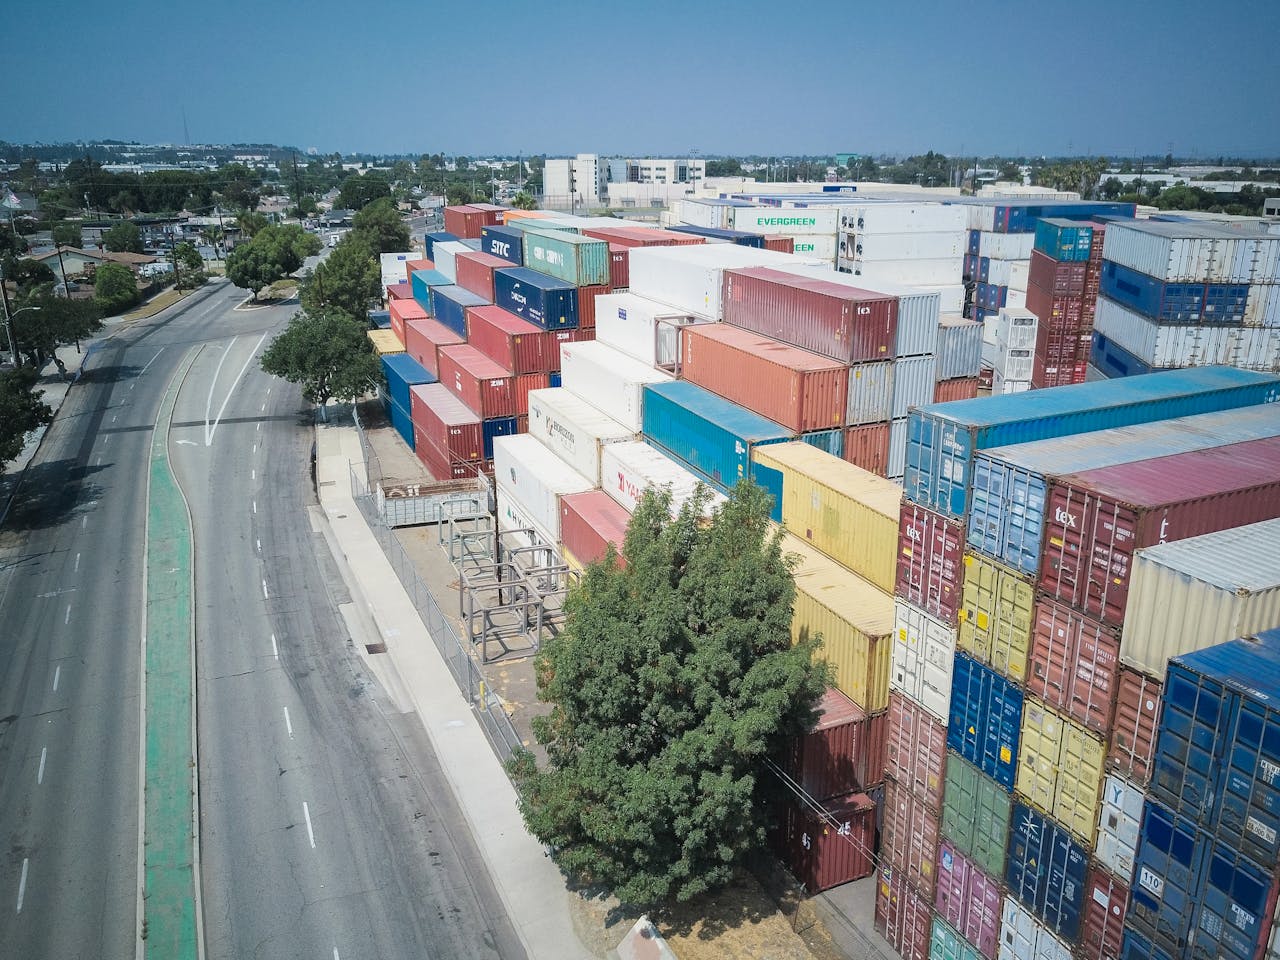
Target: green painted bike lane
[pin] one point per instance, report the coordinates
(169, 921)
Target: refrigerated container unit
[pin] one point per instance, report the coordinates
(643, 329)
(1193, 251)
(609, 380)
(628, 469)
(843, 753)
(536, 479)
(544, 301)
(573, 429)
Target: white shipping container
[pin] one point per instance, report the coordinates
(1190, 594)
(1002, 384)
(698, 213)
(911, 272)
(641, 328)
(912, 384)
(573, 429)
(788, 221)
(1006, 246)
(393, 268)
(443, 254)
(959, 348)
(513, 516)
(982, 216)
(629, 468)
(924, 651)
(951, 297)
(535, 479)
(1023, 937)
(1019, 275)
(903, 246)
(898, 449)
(1119, 822)
(1012, 328)
(898, 217)
(607, 379)
(870, 392)
(1182, 253)
(690, 277)
(1251, 348)
(1015, 298)
(816, 245)
(1262, 307)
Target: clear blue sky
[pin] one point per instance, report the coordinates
(540, 76)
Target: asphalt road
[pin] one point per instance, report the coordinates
(326, 827)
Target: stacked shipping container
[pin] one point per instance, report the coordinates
(1063, 291)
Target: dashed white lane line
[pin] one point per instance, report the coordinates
(306, 812)
(253, 475)
(274, 648)
(22, 884)
(264, 409)
(66, 618)
(258, 544)
(113, 417)
(106, 439)
(57, 672)
(44, 752)
(287, 724)
(99, 463)
(265, 595)
(77, 569)
(259, 426)
(255, 506)
(335, 954)
(84, 521)
(150, 362)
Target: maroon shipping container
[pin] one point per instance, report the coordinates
(475, 272)
(798, 389)
(446, 422)
(401, 312)
(930, 561)
(902, 917)
(619, 267)
(1099, 234)
(589, 522)
(1133, 727)
(961, 388)
(399, 291)
(411, 265)
(1058, 278)
(824, 851)
(439, 464)
(838, 321)
(779, 243)
(466, 222)
(643, 237)
(1095, 520)
(1057, 312)
(487, 387)
(587, 306)
(910, 839)
(843, 753)
(515, 343)
(1102, 916)
(867, 447)
(423, 340)
(1073, 664)
(916, 751)
(968, 899)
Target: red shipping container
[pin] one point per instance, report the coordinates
(779, 244)
(643, 237)
(843, 753)
(402, 311)
(961, 388)
(867, 447)
(423, 340)
(412, 265)
(1102, 916)
(1073, 664)
(587, 305)
(916, 751)
(902, 917)
(930, 561)
(910, 839)
(826, 851)
(619, 267)
(1133, 728)
(399, 291)
(439, 464)
(798, 389)
(1058, 278)
(1056, 312)
(985, 375)
(968, 899)
(1095, 520)
(845, 323)
(466, 222)
(475, 272)
(447, 423)
(487, 387)
(515, 343)
(589, 522)
(1099, 235)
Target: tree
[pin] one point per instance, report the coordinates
(273, 253)
(729, 167)
(21, 411)
(382, 226)
(67, 234)
(524, 201)
(11, 243)
(250, 223)
(672, 681)
(28, 274)
(124, 237)
(238, 185)
(348, 280)
(456, 194)
(58, 321)
(114, 288)
(359, 191)
(188, 256)
(1009, 172)
(326, 353)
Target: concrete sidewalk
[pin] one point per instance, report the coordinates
(530, 885)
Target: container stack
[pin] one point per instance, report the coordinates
(959, 359)
(1187, 294)
(1066, 266)
(904, 242)
(1008, 349)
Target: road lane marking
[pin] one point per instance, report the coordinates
(77, 569)
(40, 776)
(258, 544)
(150, 362)
(265, 595)
(84, 521)
(22, 884)
(335, 954)
(288, 725)
(99, 463)
(255, 448)
(274, 648)
(234, 383)
(57, 672)
(113, 418)
(66, 618)
(253, 475)
(306, 812)
(106, 439)
(208, 403)
(263, 409)
(259, 426)
(255, 506)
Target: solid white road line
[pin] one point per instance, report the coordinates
(288, 726)
(223, 408)
(150, 362)
(77, 569)
(306, 812)
(265, 595)
(84, 521)
(67, 616)
(22, 884)
(208, 403)
(57, 672)
(255, 506)
(44, 751)
(274, 648)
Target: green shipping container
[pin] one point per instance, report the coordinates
(975, 814)
(575, 259)
(541, 225)
(946, 944)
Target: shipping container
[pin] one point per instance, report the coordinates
(1190, 251)
(401, 419)
(871, 247)
(985, 719)
(513, 343)
(1119, 823)
(798, 389)
(792, 222)
(968, 899)
(577, 260)
(589, 522)
(930, 562)
(475, 272)
(923, 659)
(643, 329)
(392, 267)
(537, 479)
(587, 297)
(1064, 240)
(846, 512)
(1096, 519)
(739, 237)
(944, 437)
(609, 380)
(449, 306)
(959, 348)
(867, 446)
(399, 291)
(996, 614)
(449, 425)
(628, 469)
(468, 221)
(1055, 277)
(910, 839)
(902, 916)
(825, 849)
(843, 753)
(439, 236)
(915, 750)
(1236, 904)
(1158, 346)
(1157, 299)
(385, 342)
(925, 273)
(1024, 937)
(486, 387)
(619, 267)
(946, 944)
(975, 815)
(1162, 897)
(644, 236)
(832, 319)
(423, 340)
(1074, 660)
(573, 429)
(1133, 725)
(445, 256)
(402, 311)
(1194, 593)
(870, 398)
(692, 278)
(504, 243)
(1046, 870)
(1060, 767)
(913, 382)
(546, 302)
(400, 372)
(421, 282)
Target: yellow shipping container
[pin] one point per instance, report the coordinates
(855, 619)
(997, 614)
(385, 342)
(1060, 769)
(849, 514)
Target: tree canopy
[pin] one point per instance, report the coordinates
(124, 237)
(326, 353)
(114, 288)
(57, 321)
(382, 227)
(358, 192)
(349, 279)
(67, 234)
(21, 411)
(673, 679)
(272, 254)
(524, 201)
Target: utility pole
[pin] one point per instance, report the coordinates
(8, 317)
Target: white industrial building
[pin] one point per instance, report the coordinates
(588, 178)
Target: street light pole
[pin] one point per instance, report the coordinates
(8, 325)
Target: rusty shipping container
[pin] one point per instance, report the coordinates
(796, 388)
(832, 319)
(930, 562)
(1133, 727)
(1074, 662)
(1102, 921)
(423, 340)
(515, 343)
(485, 386)
(619, 267)
(962, 388)
(1096, 519)
(867, 447)
(1060, 278)
(916, 751)
(910, 839)
(474, 272)
(843, 753)
(642, 237)
(587, 306)
(466, 222)
(902, 916)
(448, 424)
(828, 849)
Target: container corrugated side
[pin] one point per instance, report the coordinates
(910, 839)
(969, 900)
(829, 848)
(628, 469)
(1169, 346)
(537, 479)
(985, 718)
(975, 815)
(870, 392)
(959, 348)
(930, 561)
(1163, 896)
(916, 750)
(1046, 870)
(1102, 925)
(902, 916)
(1133, 724)
(581, 261)
(423, 340)
(946, 944)
(923, 658)
(608, 380)
(897, 449)
(996, 614)
(589, 522)
(1060, 766)
(573, 429)
(913, 379)
(843, 753)
(1119, 822)
(1023, 937)
(1073, 664)
(867, 446)
(692, 278)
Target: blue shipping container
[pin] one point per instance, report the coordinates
(1165, 872)
(421, 282)
(1046, 870)
(986, 719)
(400, 419)
(942, 437)
(975, 242)
(1137, 947)
(740, 237)
(555, 378)
(401, 372)
(449, 306)
(503, 243)
(1225, 302)
(1066, 241)
(432, 239)
(496, 427)
(1022, 217)
(832, 441)
(1114, 360)
(549, 303)
(1177, 302)
(1236, 899)
(379, 319)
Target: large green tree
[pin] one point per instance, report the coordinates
(272, 254)
(114, 288)
(348, 280)
(524, 201)
(67, 234)
(672, 682)
(382, 226)
(326, 353)
(360, 190)
(56, 322)
(124, 237)
(21, 411)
